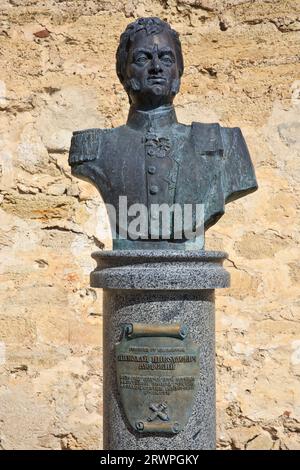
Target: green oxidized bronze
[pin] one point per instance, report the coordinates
(153, 159)
(157, 368)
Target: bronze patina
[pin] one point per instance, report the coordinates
(153, 159)
(157, 368)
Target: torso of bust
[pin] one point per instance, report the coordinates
(154, 160)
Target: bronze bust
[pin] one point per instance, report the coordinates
(153, 159)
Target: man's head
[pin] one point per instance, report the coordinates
(150, 62)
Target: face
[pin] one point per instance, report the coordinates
(152, 71)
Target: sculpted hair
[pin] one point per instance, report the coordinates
(151, 26)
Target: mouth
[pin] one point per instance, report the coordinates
(156, 80)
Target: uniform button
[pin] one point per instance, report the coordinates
(151, 170)
(154, 189)
(151, 152)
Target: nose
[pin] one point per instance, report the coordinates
(155, 65)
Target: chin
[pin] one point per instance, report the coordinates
(156, 90)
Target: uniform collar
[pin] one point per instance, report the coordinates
(164, 116)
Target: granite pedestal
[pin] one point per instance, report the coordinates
(160, 287)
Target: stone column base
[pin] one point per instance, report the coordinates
(160, 288)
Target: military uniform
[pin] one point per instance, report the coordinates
(154, 160)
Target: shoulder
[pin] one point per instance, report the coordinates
(239, 176)
(88, 137)
(235, 145)
(207, 137)
(86, 145)
(214, 138)
(231, 136)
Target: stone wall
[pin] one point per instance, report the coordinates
(57, 75)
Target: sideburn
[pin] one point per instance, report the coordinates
(175, 86)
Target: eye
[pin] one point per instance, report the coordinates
(166, 59)
(142, 59)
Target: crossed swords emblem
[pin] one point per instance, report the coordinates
(159, 411)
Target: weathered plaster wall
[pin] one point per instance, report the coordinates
(57, 75)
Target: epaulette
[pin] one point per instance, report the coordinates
(207, 138)
(85, 146)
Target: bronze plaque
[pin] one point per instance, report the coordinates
(157, 373)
